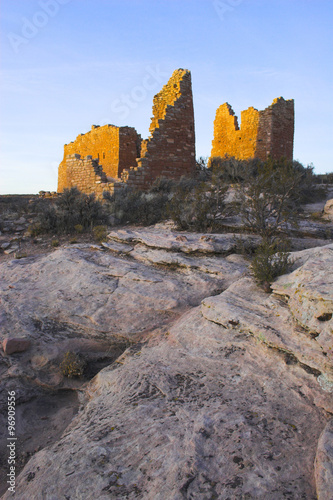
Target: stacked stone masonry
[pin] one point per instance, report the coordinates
(88, 176)
(121, 156)
(109, 157)
(262, 133)
(170, 149)
(113, 147)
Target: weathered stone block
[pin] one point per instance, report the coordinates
(15, 345)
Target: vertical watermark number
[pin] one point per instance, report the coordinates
(11, 441)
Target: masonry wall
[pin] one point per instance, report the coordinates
(88, 176)
(262, 133)
(170, 149)
(229, 139)
(276, 130)
(114, 148)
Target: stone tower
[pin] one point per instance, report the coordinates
(170, 149)
(262, 133)
(107, 157)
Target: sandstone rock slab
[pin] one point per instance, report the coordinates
(309, 292)
(117, 247)
(244, 307)
(226, 268)
(198, 413)
(166, 238)
(97, 291)
(324, 464)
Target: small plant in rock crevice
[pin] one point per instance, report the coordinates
(100, 233)
(270, 261)
(72, 365)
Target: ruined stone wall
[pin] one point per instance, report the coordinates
(276, 130)
(229, 139)
(87, 175)
(114, 148)
(120, 153)
(170, 149)
(262, 133)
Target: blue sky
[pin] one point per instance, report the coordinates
(68, 64)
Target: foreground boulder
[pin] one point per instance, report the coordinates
(328, 210)
(11, 346)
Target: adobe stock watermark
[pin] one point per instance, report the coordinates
(222, 7)
(31, 27)
(11, 441)
(153, 79)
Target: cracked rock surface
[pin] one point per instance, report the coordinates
(212, 389)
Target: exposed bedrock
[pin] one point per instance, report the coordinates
(213, 388)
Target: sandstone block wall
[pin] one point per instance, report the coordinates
(276, 130)
(88, 176)
(114, 155)
(120, 153)
(114, 148)
(170, 149)
(262, 133)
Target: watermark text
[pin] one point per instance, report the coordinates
(153, 78)
(31, 27)
(223, 7)
(11, 441)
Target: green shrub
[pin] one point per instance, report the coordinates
(198, 206)
(203, 173)
(100, 233)
(270, 261)
(244, 246)
(138, 207)
(270, 199)
(72, 365)
(55, 243)
(231, 170)
(35, 229)
(162, 185)
(72, 211)
(49, 219)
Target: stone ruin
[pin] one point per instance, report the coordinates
(114, 148)
(262, 133)
(109, 157)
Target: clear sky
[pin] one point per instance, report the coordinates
(68, 64)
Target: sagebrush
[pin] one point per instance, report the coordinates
(71, 212)
(270, 261)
